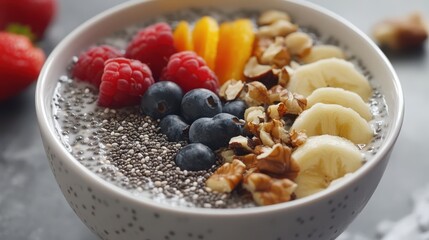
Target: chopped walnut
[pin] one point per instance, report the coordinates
(226, 154)
(277, 131)
(254, 94)
(267, 190)
(254, 115)
(272, 16)
(276, 54)
(226, 177)
(231, 89)
(276, 160)
(249, 160)
(299, 43)
(261, 74)
(277, 111)
(283, 75)
(294, 102)
(297, 138)
(260, 45)
(404, 33)
(241, 145)
(278, 28)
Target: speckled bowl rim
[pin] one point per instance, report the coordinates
(87, 175)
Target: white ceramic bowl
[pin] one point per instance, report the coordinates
(114, 213)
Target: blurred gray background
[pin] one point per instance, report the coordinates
(32, 206)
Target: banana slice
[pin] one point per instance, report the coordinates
(334, 119)
(323, 159)
(341, 97)
(319, 52)
(330, 72)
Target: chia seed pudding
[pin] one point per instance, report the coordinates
(126, 148)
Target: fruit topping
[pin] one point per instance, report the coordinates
(205, 38)
(153, 46)
(90, 64)
(175, 128)
(323, 159)
(190, 71)
(234, 49)
(330, 72)
(123, 83)
(161, 99)
(215, 132)
(335, 120)
(235, 108)
(195, 157)
(182, 37)
(20, 64)
(200, 103)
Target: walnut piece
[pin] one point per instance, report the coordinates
(255, 72)
(254, 94)
(226, 177)
(254, 115)
(276, 111)
(409, 32)
(272, 16)
(294, 102)
(276, 54)
(231, 89)
(278, 28)
(277, 160)
(299, 43)
(249, 160)
(241, 145)
(226, 154)
(297, 138)
(267, 190)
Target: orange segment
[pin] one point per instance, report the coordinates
(234, 49)
(205, 39)
(182, 37)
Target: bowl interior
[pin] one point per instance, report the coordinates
(305, 14)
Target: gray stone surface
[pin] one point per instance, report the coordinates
(32, 206)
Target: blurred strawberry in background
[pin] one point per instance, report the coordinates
(21, 23)
(20, 63)
(35, 14)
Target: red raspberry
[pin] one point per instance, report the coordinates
(153, 45)
(123, 82)
(90, 64)
(190, 71)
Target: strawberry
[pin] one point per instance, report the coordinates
(20, 63)
(36, 14)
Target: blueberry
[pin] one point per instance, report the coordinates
(199, 103)
(236, 108)
(161, 99)
(195, 157)
(215, 132)
(175, 128)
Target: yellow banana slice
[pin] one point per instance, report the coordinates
(341, 97)
(323, 159)
(334, 119)
(330, 72)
